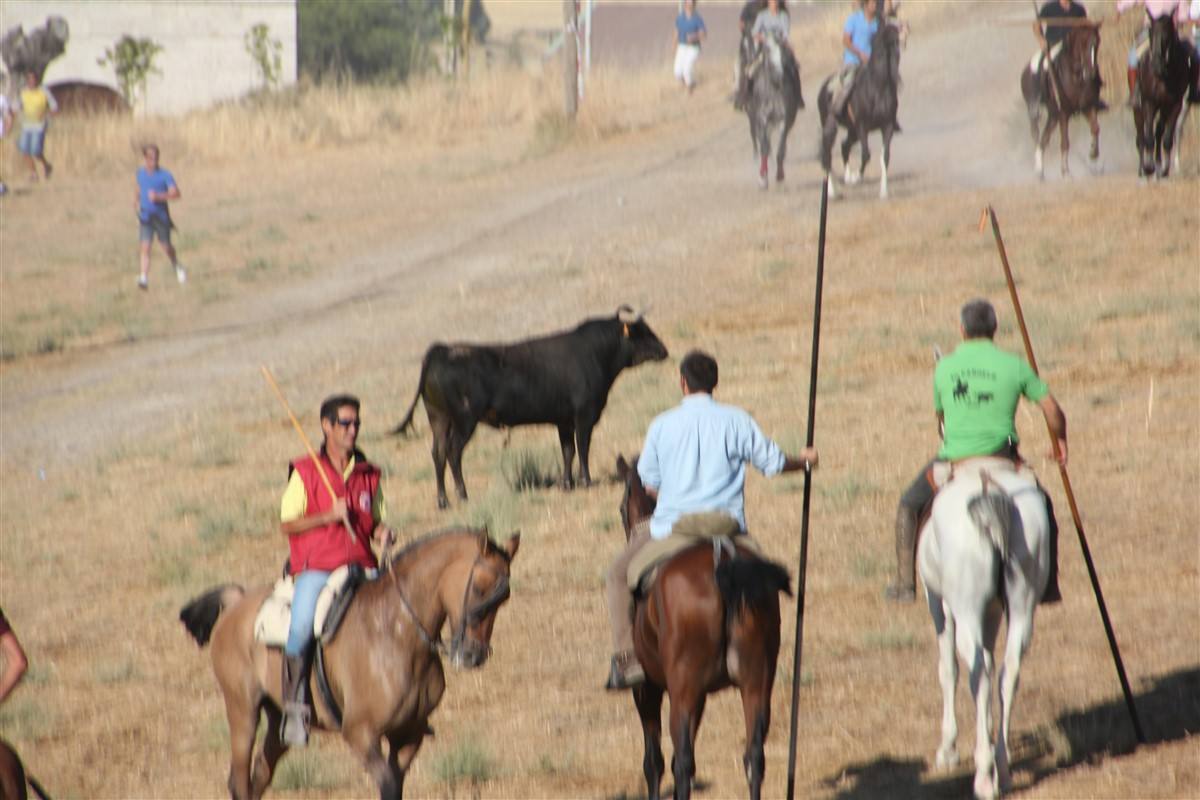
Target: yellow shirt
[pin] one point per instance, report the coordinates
(35, 104)
(295, 498)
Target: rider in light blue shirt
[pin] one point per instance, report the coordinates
(694, 461)
(857, 33)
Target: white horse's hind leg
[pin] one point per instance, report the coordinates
(973, 651)
(943, 624)
(1020, 632)
(829, 184)
(1037, 163)
(883, 193)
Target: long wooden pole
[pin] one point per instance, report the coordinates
(1066, 479)
(812, 422)
(307, 445)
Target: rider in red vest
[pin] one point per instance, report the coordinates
(325, 533)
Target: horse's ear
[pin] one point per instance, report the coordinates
(622, 467)
(485, 542)
(512, 545)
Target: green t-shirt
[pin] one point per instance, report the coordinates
(977, 388)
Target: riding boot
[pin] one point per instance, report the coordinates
(904, 590)
(1052, 594)
(626, 672)
(294, 730)
(1131, 74)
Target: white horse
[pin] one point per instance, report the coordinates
(984, 553)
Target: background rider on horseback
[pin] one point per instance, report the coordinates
(771, 20)
(976, 422)
(694, 460)
(857, 33)
(1056, 17)
(318, 529)
(1153, 10)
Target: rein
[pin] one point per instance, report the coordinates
(469, 616)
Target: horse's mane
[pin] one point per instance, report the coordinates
(417, 544)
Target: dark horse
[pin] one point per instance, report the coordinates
(697, 630)
(775, 97)
(384, 666)
(1163, 81)
(1069, 85)
(872, 106)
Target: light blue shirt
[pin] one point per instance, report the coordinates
(695, 456)
(860, 32)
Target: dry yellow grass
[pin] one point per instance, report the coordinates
(369, 250)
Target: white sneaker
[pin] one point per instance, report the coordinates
(180, 273)
(143, 283)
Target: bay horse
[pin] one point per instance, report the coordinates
(1164, 78)
(384, 664)
(698, 630)
(1068, 85)
(775, 98)
(872, 106)
(983, 555)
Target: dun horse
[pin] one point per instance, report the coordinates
(1164, 78)
(983, 554)
(872, 106)
(384, 666)
(1069, 85)
(699, 629)
(775, 97)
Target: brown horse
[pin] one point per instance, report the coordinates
(384, 665)
(1164, 77)
(697, 630)
(1069, 85)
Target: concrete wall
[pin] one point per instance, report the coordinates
(203, 60)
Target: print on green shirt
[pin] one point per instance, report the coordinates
(977, 389)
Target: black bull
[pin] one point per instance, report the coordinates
(561, 380)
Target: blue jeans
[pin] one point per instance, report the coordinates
(304, 608)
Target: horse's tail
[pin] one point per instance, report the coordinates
(749, 581)
(993, 512)
(406, 423)
(200, 615)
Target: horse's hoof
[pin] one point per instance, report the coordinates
(762, 182)
(985, 788)
(947, 758)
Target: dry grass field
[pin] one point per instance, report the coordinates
(333, 234)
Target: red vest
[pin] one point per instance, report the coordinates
(330, 546)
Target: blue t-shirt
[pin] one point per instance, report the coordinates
(860, 32)
(685, 26)
(158, 181)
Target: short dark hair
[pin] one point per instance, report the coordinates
(148, 146)
(329, 408)
(979, 319)
(699, 369)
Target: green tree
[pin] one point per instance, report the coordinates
(384, 40)
(133, 61)
(266, 53)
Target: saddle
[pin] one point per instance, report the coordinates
(274, 617)
(942, 472)
(709, 527)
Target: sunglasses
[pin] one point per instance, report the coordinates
(348, 423)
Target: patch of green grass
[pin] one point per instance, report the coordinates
(23, 718)
(213, 451)
(551, 131)
(774, 268)
(215, 529)
(172, 569)
(273, 233)
(467, 763)
(114, 672)
(866, 567)
(890, 639)
(306, 770)
(527, 471)
(846, 492)
(255, 268)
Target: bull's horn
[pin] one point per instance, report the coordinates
(626, 314)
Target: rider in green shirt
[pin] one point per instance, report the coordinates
(975, 394)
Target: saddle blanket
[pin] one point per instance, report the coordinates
(275, 616)
(690, 529)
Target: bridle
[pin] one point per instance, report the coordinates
(469, 616)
